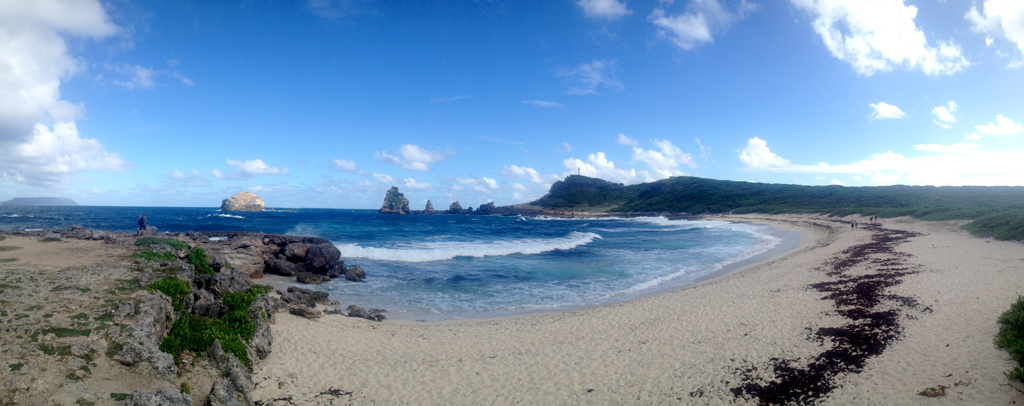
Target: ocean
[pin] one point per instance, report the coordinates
(447, 267)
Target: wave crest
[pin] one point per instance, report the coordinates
(442, 251)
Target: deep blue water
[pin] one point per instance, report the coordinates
(444, 267)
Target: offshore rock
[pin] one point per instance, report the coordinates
(430, 208)
(355, 274)
(243, 201)
(395, 202)
(485, 209)
(311, 278)
(456, 208)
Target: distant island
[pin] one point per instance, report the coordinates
(39, 201)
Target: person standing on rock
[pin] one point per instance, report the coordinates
(142, 224)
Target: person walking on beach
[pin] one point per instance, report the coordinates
(142, 225)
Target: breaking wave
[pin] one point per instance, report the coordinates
(441, 251)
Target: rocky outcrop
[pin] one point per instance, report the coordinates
(303, 297)
(307, 312)
(372, 314)
(243, 201)
(235, 386)
(486, 208)
(395, 202)
(311, 278)
(162, 397)
(355, 274)
(456, 208)
(430, 208)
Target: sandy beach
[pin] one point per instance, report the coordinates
(864, 316)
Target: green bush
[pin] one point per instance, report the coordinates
(147, 241)
(174, 288)
(1011, 337)
(155, 256)
(197, 257)
(197, 334)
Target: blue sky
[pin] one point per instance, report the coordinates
(327, 103)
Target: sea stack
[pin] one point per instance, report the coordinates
(430, 208)
(395, 202)
(244, 201)
(456, 208)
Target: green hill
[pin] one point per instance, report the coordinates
(39, 201)
(995, 210)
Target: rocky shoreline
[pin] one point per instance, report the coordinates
(95, 317)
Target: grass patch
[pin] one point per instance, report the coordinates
(120, 397)
(105, 318)
(5, 248)
(113, 349)
(1011, 337)
(197, 334)
(174, 288)
(184, 388)
(197, 258)
(73, 377)
(59, 350)
(148, 241)
(155, 256)
(47, 315)
(20, 316)
(9, 286)
(84, 402)
(34, 308)
(16, 366)
(60, 332)
(79, 316)
(6, 260)
(127, 286)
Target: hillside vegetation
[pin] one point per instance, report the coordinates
(996, 211)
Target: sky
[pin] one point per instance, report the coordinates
(328, 103)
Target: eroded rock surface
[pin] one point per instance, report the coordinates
(243, 201)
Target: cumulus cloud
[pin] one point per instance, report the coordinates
(884, 110)
(940, 165)
(1001, 127)
(530, 174)
(194, 178)
(413, 184)
(544, 103)
(604, 9)
(622, 139)
(412, 157)
(481, 184)
(138, 77)
(758, 155)
(702, 20)
(598, 166)
(588, 78)
(383, 178)
(875, 36)
(49, 156)
(248, 169)
(666, 161)
(1001, 18)
(944, 114)
(347, 166)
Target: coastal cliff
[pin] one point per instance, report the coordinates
(243, 201)
(39, 201)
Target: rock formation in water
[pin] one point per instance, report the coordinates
(486, 208)
(244, 201)
(395, 202)
(456, 208)
(430, 208)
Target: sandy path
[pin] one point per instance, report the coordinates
(691, 346)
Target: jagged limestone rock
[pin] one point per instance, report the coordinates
(243, 201)
(395, 202)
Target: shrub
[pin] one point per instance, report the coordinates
(197, 257)
(197, 334)
(1011, 337)
(147, 241)
(174, 288)
(155, 256)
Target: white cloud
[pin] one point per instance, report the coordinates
(445, 99)
(383, 178)
(705, 152)
(838, 182)
(194, 178)
(944, 114)
(589, 77)
(758, 155)
(413, 184)
(248, 169)
(1002, 127)
(940, 165)
(518, 187)
(490, 183)
(700, 23)
(606, 9)
(598, 166)
(412, 157)
(49, 156)
(884, 110)
(138, 77)
(568, 147)
(664, 163)
(622, 139)
(544, 103)
(1001, 18)
(877, 35)
(345, 165)
(481, 184)
(530, 174)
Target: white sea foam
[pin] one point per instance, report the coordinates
(440, 251)
(225, 215)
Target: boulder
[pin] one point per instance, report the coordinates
(162, 397)
(243, 201)
(430, 208)
(282, 267)
(152, 319)
(262, 312)
(204, 304)
(311, 278)
(355, 274)
(295, 252)
(307, 312)
(305, 297)
(228, 280)
(395, 202)
(372, 314)
(322, 258)
(160, 363)
(235, 386)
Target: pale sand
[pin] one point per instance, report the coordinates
(688, 346)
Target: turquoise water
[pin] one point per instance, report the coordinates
(459, 266)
